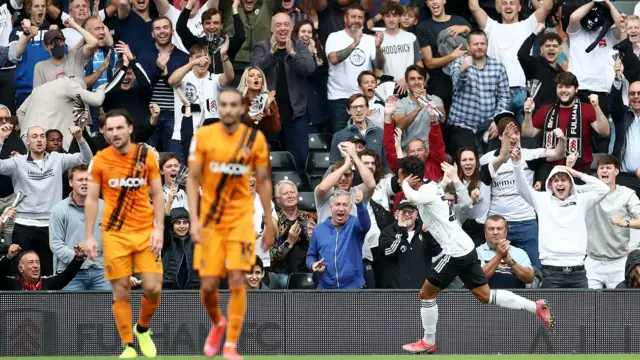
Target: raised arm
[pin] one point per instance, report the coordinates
(183, 31)
(90, 41)
(92, 78)
(522, 185)
(577, 15)
(528, 129)
(162, 6)
(478, 13)
(176, 78)
(123, 9)
(542, 10)
(329, 182)
(601, 125)
(525, 59)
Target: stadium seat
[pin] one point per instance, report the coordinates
(282, 161)
(315, 181)
(317, 163)
(320, 142)
(301, 181)
(594, 162)
(306, 201)
(301, 281)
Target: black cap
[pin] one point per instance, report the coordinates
(405, 204)
(503, 114)
(52, 35)
(356, 138)
(178, 214)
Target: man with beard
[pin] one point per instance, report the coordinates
(30, 278)
(349, 52)
(480, 91)
(506, 37)
(608, 227)
(575, 118)
(341, 178)
(66, 230)
(26, 48)
(562, 212)
(194, 20)
(543, 68)
(287, 63)
(160, 63)
(61, 64)
(39, 176)
(428, 32)
(344, 267)
(418, 112)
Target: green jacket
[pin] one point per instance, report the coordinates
(257, 25)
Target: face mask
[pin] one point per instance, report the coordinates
(57, 51)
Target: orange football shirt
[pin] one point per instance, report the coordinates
(227, 162)
(124, 181)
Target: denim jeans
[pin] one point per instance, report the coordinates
(89, 279)
(524, 235)
(338, 116)
(369, 276)
(175, 146)
(163, 132)
(558, 279)
(518, 97)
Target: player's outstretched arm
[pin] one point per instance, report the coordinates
(265, 191)
(193, 196)
(90, 214)
(157, 236)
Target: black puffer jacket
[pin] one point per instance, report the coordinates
(632, 261)
(177, 253)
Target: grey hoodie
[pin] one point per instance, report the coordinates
(607, 241)
(42, 185)
(562, 228)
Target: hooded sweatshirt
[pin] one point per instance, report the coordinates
(562, 228)
(41, 181)
(607, 241)
(632, 261)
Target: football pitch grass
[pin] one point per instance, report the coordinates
(364, 357)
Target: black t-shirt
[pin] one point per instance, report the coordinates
(282, 89)
(427, 33)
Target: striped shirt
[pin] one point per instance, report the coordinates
(163, 95)
(478, 94)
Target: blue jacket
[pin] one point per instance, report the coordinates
(33, 53)
(341, 251)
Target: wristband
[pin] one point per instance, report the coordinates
(226, 59)
(627, 224)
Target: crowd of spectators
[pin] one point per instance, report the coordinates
(526, 115)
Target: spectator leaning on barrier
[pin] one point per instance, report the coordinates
(177, 252)
(505, 266)
(406, 250)
(632, 272)
(341, 177)
(30, 277)
(335, 251)
(608, 244)
(12, 145)
(38, 175)
(66, 230)
(289, 251)
(562, 214)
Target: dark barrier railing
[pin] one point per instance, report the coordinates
(326, 322)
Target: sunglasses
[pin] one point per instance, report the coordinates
(8, 119)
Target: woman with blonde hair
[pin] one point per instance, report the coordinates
(252, 84)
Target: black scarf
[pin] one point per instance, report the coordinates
(573, 131)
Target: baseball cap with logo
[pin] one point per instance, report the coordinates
(356, 138)
(405, 204)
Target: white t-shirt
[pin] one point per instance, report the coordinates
(480, 210)
(258, 213)
(179, 201)
(343, 77)
(377, 112)
(505, 199)
(203, 92)
(381, 196)
(435, 212)
(400, 51)
(591, 68)
(504, 42)
(194, 24)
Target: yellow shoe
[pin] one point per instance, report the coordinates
(128, 353)
(147, 347)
